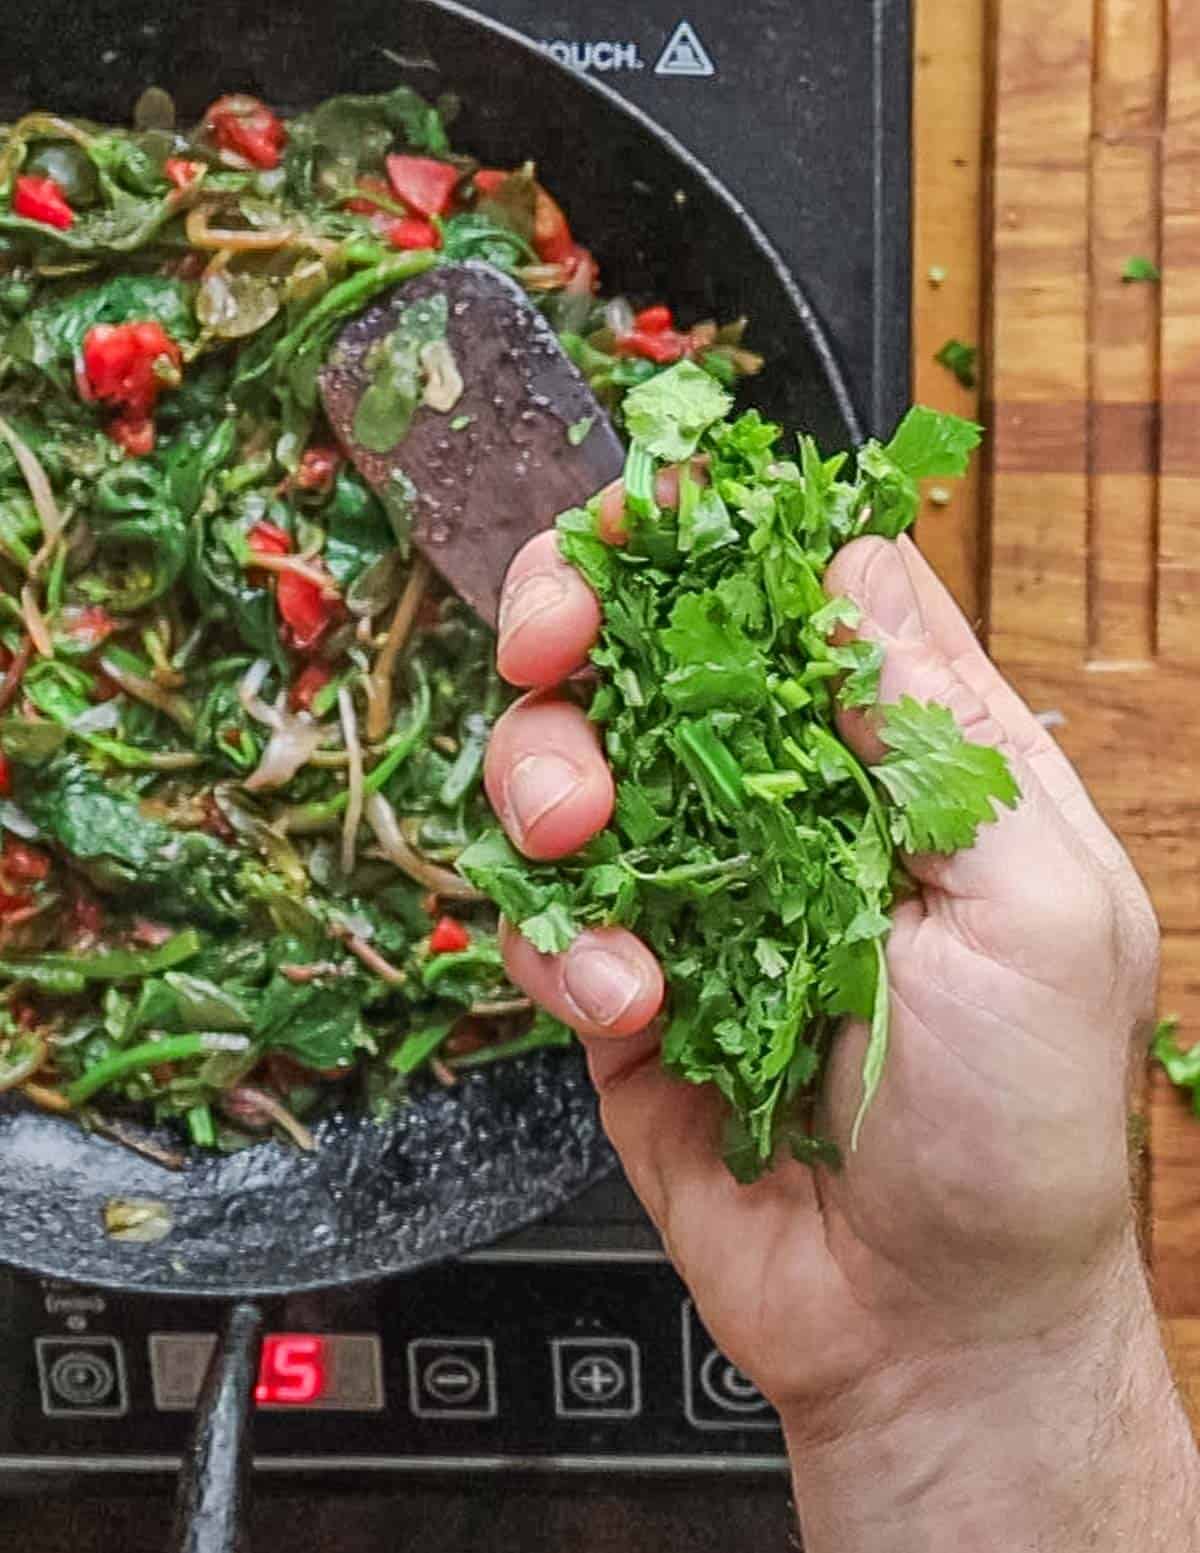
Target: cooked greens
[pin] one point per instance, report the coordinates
(750, 848)
(241, 729)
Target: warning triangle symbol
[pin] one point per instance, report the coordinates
(684, 54)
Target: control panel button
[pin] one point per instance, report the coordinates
(596, 1377)
(452, 1377)
(82, 1377)
(716, 1395)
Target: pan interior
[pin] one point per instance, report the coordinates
(456, 1168)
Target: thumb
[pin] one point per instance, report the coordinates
(932, 655)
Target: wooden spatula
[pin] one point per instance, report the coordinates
(524, 440)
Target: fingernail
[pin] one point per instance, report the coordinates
(534, 595)
(891, 601)
(601, 985)
(536, 785)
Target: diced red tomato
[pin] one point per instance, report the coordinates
(311, 679)
(305, 609)
(127, 366)
(247, 127)
(654, 320)
(317, 468)
(87, 625)
(449, 936)
(488, 179)
(5, 776)
(181, 171)
(11, 904)
(661, 345)
(269, 539)
(426, 186)
(41, 199)
(23, 862)
(232, 737)
(551, 234)
(413, 232)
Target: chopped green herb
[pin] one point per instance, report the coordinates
(461, 422)
(1140, 269)
(749, 848)
(961, 360)
(1182, 1067)
(577, 433)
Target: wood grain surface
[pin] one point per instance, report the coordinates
(1080, 550)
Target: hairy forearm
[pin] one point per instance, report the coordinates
(1078, 1441)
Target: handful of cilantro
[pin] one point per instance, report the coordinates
(750, 848)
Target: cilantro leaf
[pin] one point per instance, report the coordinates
(941, 785)
(670, 412)
(960, 359)
(716, 663)
(927, 444)
(1139, 268)
(1183, 1067)
(750, 849)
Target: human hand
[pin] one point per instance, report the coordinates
(985, 1219)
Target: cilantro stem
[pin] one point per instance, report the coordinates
(877, 1045)
(836, 749)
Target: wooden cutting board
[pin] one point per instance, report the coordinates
(1055, 139)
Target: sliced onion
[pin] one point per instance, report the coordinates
(97, 719)
(291, 745)
(294, 563)
(379, 685)
(396, 847)
(355, 797)
(248, 694)
(251, 1107)
(50, 515)
(370, 957)
(618, 315)
(146, 690)
(35, 621)
(14, 818)
(201, 235)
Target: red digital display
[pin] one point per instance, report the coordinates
(292, 1371)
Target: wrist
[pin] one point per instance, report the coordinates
(1047, 1440)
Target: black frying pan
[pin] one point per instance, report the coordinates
(459, 1167)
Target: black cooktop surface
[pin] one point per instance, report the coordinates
(572, 1347)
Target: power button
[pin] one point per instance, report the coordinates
(82, 1377)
